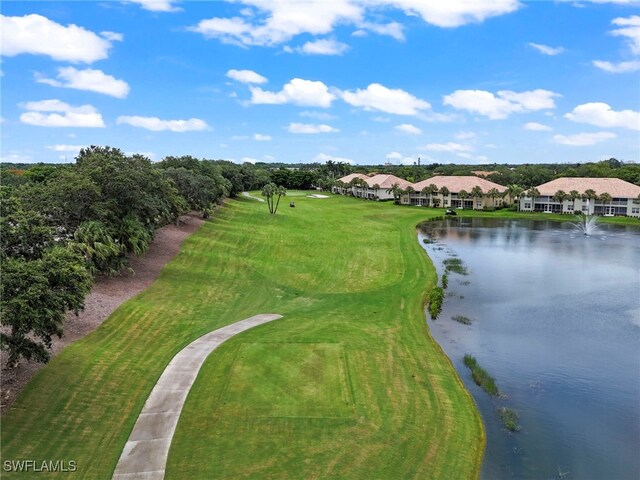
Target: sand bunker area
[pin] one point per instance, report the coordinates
(107, 294)
(317, 195)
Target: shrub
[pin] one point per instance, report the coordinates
(436, 297)
(480, 376)
(445, 281)
(509, 419)
(455, 265)
(462, 319)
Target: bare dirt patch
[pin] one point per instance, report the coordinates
(107, 294)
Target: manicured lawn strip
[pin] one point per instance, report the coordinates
(351, 281)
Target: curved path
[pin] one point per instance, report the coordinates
(248, 195)
(145, 454)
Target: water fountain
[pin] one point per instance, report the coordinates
(587, 225)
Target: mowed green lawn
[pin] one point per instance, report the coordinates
(348, 384)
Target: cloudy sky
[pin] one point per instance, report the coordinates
(365, 81)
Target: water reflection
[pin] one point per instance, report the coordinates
(556, 322)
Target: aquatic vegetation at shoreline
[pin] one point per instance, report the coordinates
(462, 319)
(436, 298)
(509, 419)
(455, 265)
(480, 376)
(445, 281)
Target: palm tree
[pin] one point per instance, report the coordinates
(513, 192)
(444, 191)
(426, 191)
(533, 193)
(409, 191)
(573, 196)
(433, 190)
(589, 195)
(354, 183)
(396, 191)
(462, 195)
(476, 192)
(376, 187)
(560, 196)
(281, 192)
(493, 194)
(605, 198)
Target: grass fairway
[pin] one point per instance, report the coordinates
(347, 385)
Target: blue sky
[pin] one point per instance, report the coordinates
(364, 81)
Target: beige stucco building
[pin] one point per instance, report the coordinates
(624, 197)
(459, 192)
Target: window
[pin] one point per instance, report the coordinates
(479, 204)
(635, 210)
(527, 205)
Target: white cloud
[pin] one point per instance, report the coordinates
(602, 115)
(37, 35)
(453, 13)
(501, 106)
(620, 67)
(311, 128)
(408, 128)
(323, 158)
(113, 36)
(60, 114)
(88, 79)
(394, 155)
(66, 148)
(259, 137)
(297, 91)
(246, 76)
(537, 127)
(269, 158)
(248, 160)
(157, 5)
(583, 139)
(630, 30)
(282, 20)
(546, 50)
(317, 115)
(16, 157)
(392, 29)
(325, 46)
(465, 135)
(156, 125)
(450, 147)
(379, 97)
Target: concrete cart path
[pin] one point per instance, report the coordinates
(248, 195)
(145, 454)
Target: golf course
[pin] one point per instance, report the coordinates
(347, 384)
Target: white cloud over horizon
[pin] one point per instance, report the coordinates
(274, 22)
(308, 128)
(37, 35)
(408, 128)
(158, 5)
(89, 80)
(545, 49)
(157, 125)
(601, 114)
(56, 113)
(501, 105)
(246, 76)
(324, 46)
(620, 67)
(537, 127)
(583, 139)
(297, 91)
(388, 100)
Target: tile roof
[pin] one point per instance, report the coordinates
(455, 183)
(351, 176)
(613, 186)
(387, 181)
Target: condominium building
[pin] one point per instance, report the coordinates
(591, 196)
(456, 191)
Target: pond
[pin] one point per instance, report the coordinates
(555, 319)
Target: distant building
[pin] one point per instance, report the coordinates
(459, 191)
(624, 197)
(373, 188)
